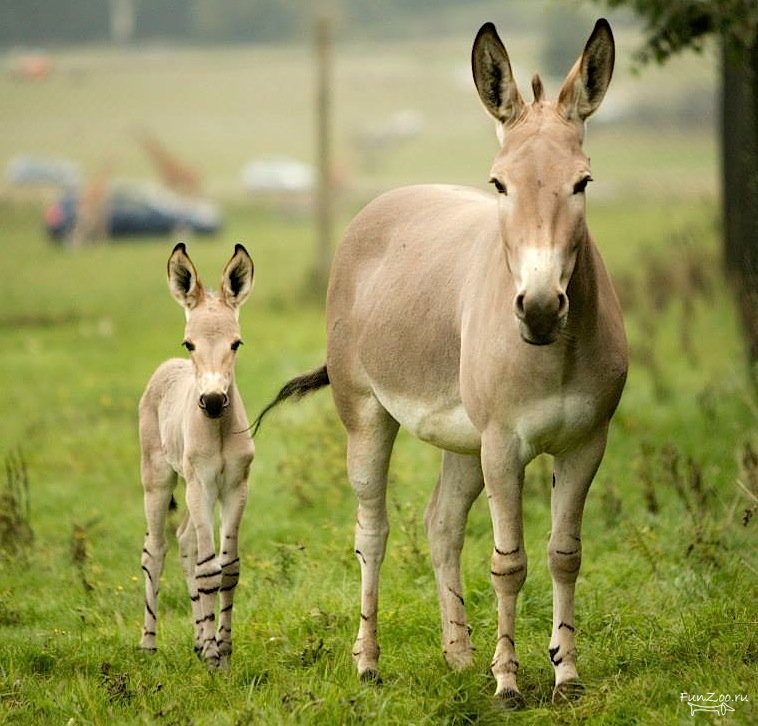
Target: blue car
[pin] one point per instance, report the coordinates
(134, 211)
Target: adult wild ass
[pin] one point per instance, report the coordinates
(488, 326)
(191, 419)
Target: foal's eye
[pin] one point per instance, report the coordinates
(236, 344)
(189, 345)
(581, 185)
(501, 188)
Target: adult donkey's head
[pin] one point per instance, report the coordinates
(212, 332)
(541, 173)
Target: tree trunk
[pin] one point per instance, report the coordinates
(739, 128)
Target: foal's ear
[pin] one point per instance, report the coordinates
(183, 281)
(493, 77)
(237, 278)
(587, 82)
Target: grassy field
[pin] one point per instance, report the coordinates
(667, 595)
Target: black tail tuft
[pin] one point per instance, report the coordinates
(297, 387)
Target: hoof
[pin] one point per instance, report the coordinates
(148, 649)
(370, 676)
(213, 663)
(510, 700)
(568, 691)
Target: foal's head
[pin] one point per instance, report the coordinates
(212, 332)
(541, 173)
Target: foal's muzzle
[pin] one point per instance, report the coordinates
(213, 404)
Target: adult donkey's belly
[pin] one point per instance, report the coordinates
(394, 307)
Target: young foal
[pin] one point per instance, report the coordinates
(448, 314)
(190, 419)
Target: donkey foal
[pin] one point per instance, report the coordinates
(193, 424)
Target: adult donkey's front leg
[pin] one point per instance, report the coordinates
(503, 482)
(573, 475)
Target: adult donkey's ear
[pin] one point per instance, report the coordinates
(493, 77)
(183, 281)
(237, 278)
(587, 82)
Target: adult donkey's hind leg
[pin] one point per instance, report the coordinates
(459, 485)
(371, 434)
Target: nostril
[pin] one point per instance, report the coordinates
(562, 303)
(202, 402)
(225, 401)
(519, 304)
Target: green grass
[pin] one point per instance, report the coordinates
(666, 597)
(665, 600)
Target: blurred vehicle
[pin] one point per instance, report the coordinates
(29, 170)
(278, 174)
(135, 211)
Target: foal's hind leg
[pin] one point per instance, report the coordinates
(371, 434)
(158, 480)
(459, 485)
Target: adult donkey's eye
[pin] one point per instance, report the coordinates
(236, 344)
(501, 188)
(189, 345)
(581, 185)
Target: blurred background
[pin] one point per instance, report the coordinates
(220, 99)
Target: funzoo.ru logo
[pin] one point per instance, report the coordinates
(720, 703)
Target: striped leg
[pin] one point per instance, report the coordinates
(232, 508)
(200, 503)
(188, 553)
(574, 472)
(369, 448)
(158, 483)
(504, 476)
(459, 485)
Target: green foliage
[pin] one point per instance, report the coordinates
(673, 26)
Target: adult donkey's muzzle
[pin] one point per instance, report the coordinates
(541, 316)
(213, 404)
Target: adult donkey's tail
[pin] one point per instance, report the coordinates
(297, 387)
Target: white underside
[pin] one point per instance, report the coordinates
(552, 424)
(444, 424)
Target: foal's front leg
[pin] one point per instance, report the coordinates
(200, 502)
(187, 539)
(573, 475)
(232, 509)
(503, 480)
